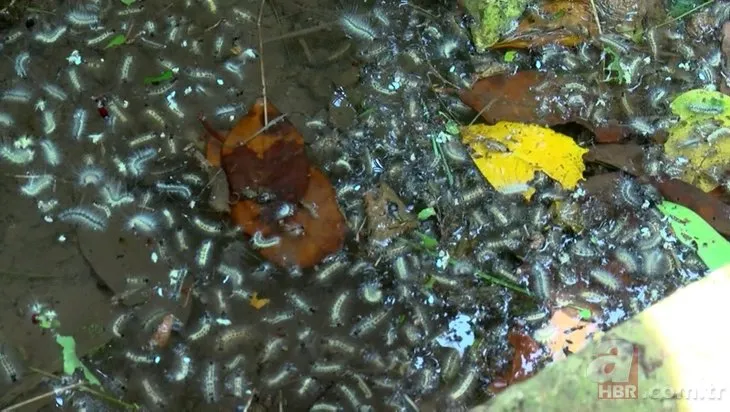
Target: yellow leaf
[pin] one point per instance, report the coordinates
(256, 302)
(508, 154)
(702, 136)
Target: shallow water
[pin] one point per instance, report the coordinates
(398, 327)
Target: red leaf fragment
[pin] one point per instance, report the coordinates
(524, 361)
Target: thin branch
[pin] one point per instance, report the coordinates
(301, 32)
(42, 396)
(261, 63)
(683, 15)
(595, 16)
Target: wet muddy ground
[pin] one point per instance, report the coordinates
(114, 222)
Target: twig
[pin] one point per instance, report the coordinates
(82, 386)
(42, 396)
(250, 400)
(683, 15)
(484, 109)
(301, 32)
(4, 10)
(261, 64)
(595, 15)
(263, 129)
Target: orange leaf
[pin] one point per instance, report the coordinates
(257, 302)
(271, 160)
(566, 330)
(563, 22)
(161, 337)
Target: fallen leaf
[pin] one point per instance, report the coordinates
(387, 216)
(71, 361)
(492, 18)
(508, 155)
(526, 97)
(426, 213)
(527, 353)
(702, 136)
(271, 162)
(626, 157)
(257, 302)
(562, 22)
(695, 232)
(166, 75)
(117, 40)
(161, 337)
(567, 330)
(602, 186)
(712, 210)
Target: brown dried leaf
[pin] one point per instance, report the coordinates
(563, 22)
(385, 223)
(714, 211)
(517, 98)
(627, 157)
(161, 337)
(527, 353)
(272, 160)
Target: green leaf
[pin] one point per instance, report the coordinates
(47, 322)
(584, 313)
(71, 361)
(117, 40)
(166, 75)
(694, 231)
(509, 57)
(452, 127)
(429, 283)
(426, 213)
(128, 2)
(427, 241)
(614, 69)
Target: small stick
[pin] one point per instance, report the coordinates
(261, 64)
(42, 396)
(595, 16)
(301, 32)
(683, 15)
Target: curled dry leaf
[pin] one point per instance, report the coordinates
(270, 160)
(562, 22)
(537, 97)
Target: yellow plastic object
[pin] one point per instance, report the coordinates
(701, 138)
(508, 154)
